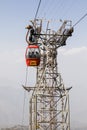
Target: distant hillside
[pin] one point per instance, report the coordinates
(18, 127)
(79, 128)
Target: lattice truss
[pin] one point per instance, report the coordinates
(49, 103)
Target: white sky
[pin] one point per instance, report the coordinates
(72, 60)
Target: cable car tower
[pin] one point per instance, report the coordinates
(49, 103)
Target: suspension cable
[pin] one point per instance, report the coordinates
(37, 9)
(27, 69)
(24, 97)
(80, 20)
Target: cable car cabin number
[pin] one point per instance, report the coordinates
(32, 55)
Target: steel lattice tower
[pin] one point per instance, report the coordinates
(49, 103)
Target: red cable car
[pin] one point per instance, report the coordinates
(32, 55)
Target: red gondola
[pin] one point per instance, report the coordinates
(32, 55)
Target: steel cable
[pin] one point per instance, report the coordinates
(80, 20)
(24, 97)
(37, 9)
(27, 72)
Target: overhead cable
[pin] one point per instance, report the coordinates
(24, 98)
(37, 9)
(80, 20)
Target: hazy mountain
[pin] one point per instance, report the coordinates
(19, 127)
